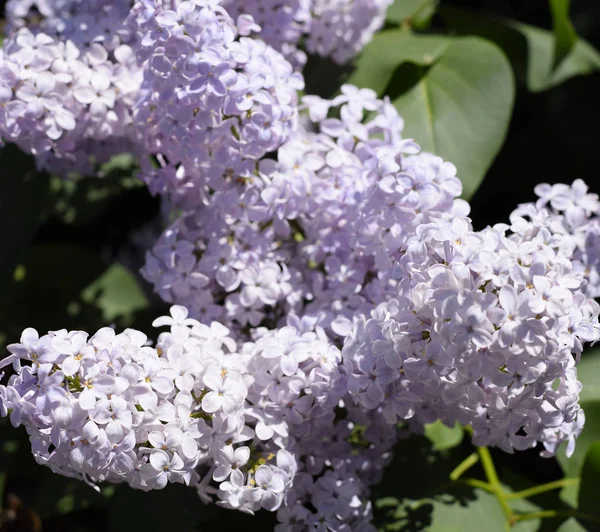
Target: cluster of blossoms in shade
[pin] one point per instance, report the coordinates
(326, 281)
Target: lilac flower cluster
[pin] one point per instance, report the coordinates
(330, 28)
(238, 424)
(186, 85)
(212, 101)
(326, 281)
(572, 212)
(482, 331)
(68, 82)
(112, 408)
(278, 240)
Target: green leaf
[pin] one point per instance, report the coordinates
(588, 372)
(570, 525)
(564, 33)
(477, 510)
(116, 293)
(391, 48)
(443, 437)
(58, 495)
(531, 50)
(456, 508)
(590, 480)
(591, 433)
(430, 501)
(415, 13)
(459, 108)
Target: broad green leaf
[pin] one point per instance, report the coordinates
(590, 480)
(415, 13)
(459, 108)
(58, 495)
(588, 372)
(590, 434)
(428, 500)
(570, 525)
(443, 437)
(455, 509)
(565, 35)
(479, 510)
(530, 49)
(116, 293)
(391, 48)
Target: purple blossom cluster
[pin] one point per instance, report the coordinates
(246, 424)
(482, 331)
(112, 408)
(68, 82)
(330, 28)
(326, 282)
(306, 233)
(572, 212)
(213, 100)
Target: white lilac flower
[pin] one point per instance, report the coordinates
(491, 334)
(330, 28)
(306, 234)
(74, 80)
(212, 100)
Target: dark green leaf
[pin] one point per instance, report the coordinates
(462, 510)
(570, 525)
(49, 298)
(588, 372)
(177, 508)
(430, 501)
(415, 13)
(530, 49)
(459, 108)
(565, 35)
(390, 49)
(590, 480)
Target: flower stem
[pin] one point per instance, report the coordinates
(557, 484)
(494, 481)
(552, 514)
(466, 464)
(474, 483)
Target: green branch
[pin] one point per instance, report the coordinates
(557, 484)
(466, 464)
(494, 481)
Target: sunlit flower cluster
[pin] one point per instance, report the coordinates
(326, 283)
